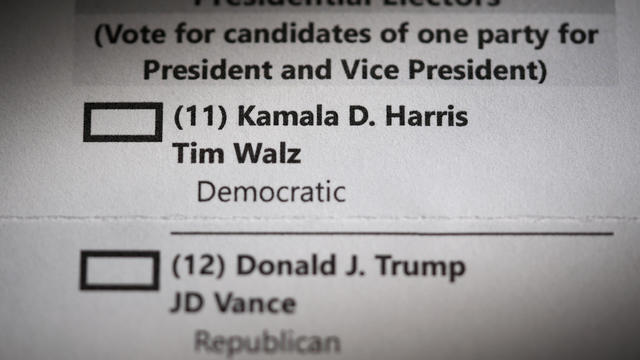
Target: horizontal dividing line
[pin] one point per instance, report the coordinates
(387, 233)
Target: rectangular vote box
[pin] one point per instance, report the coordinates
(123, 122)
(120, 270)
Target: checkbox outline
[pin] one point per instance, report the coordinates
(90, 106)
(154, 255)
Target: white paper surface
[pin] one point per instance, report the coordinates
(520, 211)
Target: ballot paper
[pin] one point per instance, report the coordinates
(320, 179)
